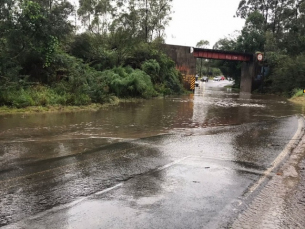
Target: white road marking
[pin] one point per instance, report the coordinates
(108, 189)
(172, 163)
(73, 203)
(275, 163)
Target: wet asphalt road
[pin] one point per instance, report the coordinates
(181, 162)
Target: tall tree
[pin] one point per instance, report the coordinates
(147, 17)
(202, 44)
(31, 32)
(95, 14)
(252, 38)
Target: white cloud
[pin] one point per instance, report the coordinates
(195, 20)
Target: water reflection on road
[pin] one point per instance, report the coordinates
(47, 160)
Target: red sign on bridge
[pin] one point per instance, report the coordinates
(221, 55)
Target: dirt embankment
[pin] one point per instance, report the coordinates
(299, 100)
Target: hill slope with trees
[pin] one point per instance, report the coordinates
(46, 58)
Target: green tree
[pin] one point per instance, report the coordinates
(252, 36)
(229, 68)
(203, 44)
(277, 28)
(31, 33)
(146, 18)
(95, 15)
(43, 61)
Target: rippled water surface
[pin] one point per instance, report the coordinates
(56, 134)
(50, 159)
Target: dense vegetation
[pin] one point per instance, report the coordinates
(47, 57)
(53, 52)
(205, 67)
(276, 28)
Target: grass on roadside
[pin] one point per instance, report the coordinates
(54, 108)
(44, 109)
(298, 97)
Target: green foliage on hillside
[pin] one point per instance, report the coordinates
(43, 61)
(275, 28)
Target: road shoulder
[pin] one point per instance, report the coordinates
(281, 203)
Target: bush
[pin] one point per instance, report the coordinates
(135, 84)
(41, 96)
(173, 84)
(169, 75)
(288, 74)
(297, 92)
(152, 68)
(92, 49)
(161, 69)
(69, 81)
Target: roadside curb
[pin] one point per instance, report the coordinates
(281, 203)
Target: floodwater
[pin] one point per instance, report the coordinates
(52, 160)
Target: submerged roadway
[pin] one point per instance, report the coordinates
(206, 163)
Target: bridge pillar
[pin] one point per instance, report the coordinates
(251, 75)
(248, 74)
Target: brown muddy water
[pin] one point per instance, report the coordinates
(209, 106)
(35, 149)
(34, 137)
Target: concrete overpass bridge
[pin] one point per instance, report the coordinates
(185, 59)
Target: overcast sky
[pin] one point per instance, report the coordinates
(195, 20)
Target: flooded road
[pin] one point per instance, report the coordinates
(175, 162)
